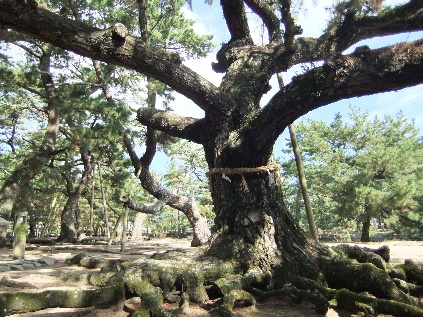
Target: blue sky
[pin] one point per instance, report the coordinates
(313, 20)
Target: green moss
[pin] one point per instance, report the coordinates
(103, 279)
(194, 282)
(413, 271)
(235, 298)
(355, 302)
(21, 302)
(361, 277)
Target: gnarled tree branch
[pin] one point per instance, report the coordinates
(236, 19)
(269, 18)
(33, 19)
(170, 123)
(363, 72)
(187, 205)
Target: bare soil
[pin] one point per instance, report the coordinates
(58, 276)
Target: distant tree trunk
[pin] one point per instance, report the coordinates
(91, 225)
(124, 229)
(68, 231)
(49, 219)
(365, 233)
(103, 197)
(137, 227)
(71, 227)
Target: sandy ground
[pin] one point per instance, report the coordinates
(53, 277)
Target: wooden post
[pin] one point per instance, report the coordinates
(20, 232)
(103, 196)
(124, 224)
(303, 183)
(301, 174)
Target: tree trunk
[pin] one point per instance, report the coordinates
(137, 227)
(91, 224)
(124, 227)
(71, 226)
(254, 227)
(68, 232)
(103, 197)
(365, 233)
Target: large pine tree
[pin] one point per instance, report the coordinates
(252, 226)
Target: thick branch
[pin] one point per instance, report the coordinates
(146, 209)
(106, 45)
(185, 204)
(364, 72)
(236, 19)
(404, 18)
(267, 15)
(291, 30)
(170, 123)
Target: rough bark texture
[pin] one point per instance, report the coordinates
(136, 235)
(11, 303)
(70, 223)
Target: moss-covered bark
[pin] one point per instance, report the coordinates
(179, 277)
(21, 302)
(361, 277)
(375, 306)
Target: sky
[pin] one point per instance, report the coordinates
(313, 19)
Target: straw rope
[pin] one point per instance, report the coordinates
(241, 171)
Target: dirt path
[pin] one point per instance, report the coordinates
(60, 276)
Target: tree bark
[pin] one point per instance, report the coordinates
(103, 198)
(253, 226)
(365, 231)
(70, 226)
(137, 227)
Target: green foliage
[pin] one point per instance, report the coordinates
(358, 166)
(88, 119)
(187, 171)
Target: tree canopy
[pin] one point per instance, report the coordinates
(358, 168)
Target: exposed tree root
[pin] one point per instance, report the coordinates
(361, 277)
(21, 302)
(374, 306)
(172, 276)
(177, 277)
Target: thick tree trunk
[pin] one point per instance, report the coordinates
(254, 227)
(137, 227)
